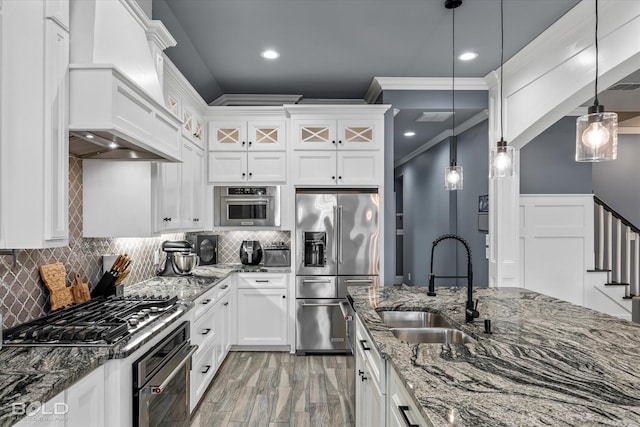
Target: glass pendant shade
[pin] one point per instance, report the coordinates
(453, 178)
(597, 136)
(501, 161)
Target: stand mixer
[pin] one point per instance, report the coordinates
(179, 261)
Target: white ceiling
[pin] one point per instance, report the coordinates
(332, 49)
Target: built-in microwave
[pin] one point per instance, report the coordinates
(247, 206)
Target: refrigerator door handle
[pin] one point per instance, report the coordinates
(340, 234)
(336, 227)
(316, 280)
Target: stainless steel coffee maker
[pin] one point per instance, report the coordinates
(179, 260)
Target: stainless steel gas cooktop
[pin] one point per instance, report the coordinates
(99, 322)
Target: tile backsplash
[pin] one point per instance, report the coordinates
(23, 295)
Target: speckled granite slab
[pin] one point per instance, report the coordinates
(547, 362)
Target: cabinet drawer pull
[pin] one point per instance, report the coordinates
(364, 347)
(262, 281)
(361, 373)
(226, 303)
(224, 286)
(403, 411)
(206, 331)
(362, 378)
(207, 367)
(205, 302)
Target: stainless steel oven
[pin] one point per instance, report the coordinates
(161, 382)
(247, 206)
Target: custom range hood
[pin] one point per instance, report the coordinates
(116, 100)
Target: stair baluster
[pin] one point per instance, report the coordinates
(600, 261)
(636, 265)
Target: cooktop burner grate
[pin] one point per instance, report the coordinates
(98, 322)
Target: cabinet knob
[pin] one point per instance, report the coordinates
(243, 143)
(249, 143)
(339, 177)
(250, 174)
(244, 174)
(361, 373)
(339, 141)
(169, 219)
(333, 178)
(284, 296)
(333, 142)
(362, 378)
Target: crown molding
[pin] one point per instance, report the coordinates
(380, 84)
(336, 109)
(475, 120)
(240, 99)
(218, 111)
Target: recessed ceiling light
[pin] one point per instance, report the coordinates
(467, 56)
(410, 133)
(89, 136)
(113, 145)
(270, 54)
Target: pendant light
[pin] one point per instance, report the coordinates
(597, 131)
(453, 177)
(501, 162)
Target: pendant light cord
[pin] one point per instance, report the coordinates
(595, 102)
(501, 66)
(453, 87)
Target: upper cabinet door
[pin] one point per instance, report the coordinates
(227, 167)
(314, 135)
(358, 134)
(266, 135)
(228, 136)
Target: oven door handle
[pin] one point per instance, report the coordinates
(231, 201)
(157, 389)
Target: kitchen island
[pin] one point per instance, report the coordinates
(546, 362)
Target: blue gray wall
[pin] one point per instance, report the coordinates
(548, 166)
(616, 182)
(430, 211)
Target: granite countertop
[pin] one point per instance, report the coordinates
(547, 362)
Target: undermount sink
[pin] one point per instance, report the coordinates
(414, 319)
(432, 335)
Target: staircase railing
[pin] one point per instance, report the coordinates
(618, 248)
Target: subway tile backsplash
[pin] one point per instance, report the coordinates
(23, 295)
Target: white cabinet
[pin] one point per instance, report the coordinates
(252, 134)
(337, 145)
(402, 409)
(343, 168)
(82, 404)
(330, 134)
(242, 167)
(262, 309)
(85, 400)
(370, 380)
(211, 332)
(151, 196)
(34, 85)
(247, 145)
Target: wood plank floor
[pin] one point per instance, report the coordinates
(274, 389)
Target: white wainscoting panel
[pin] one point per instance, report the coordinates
(556, 244)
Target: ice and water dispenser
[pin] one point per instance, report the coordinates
(315, 243)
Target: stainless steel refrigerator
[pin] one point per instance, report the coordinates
(337, 237)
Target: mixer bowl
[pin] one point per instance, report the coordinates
(184, 264)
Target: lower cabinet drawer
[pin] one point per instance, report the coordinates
(203, 329)
(203, 368)
(402, 410)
